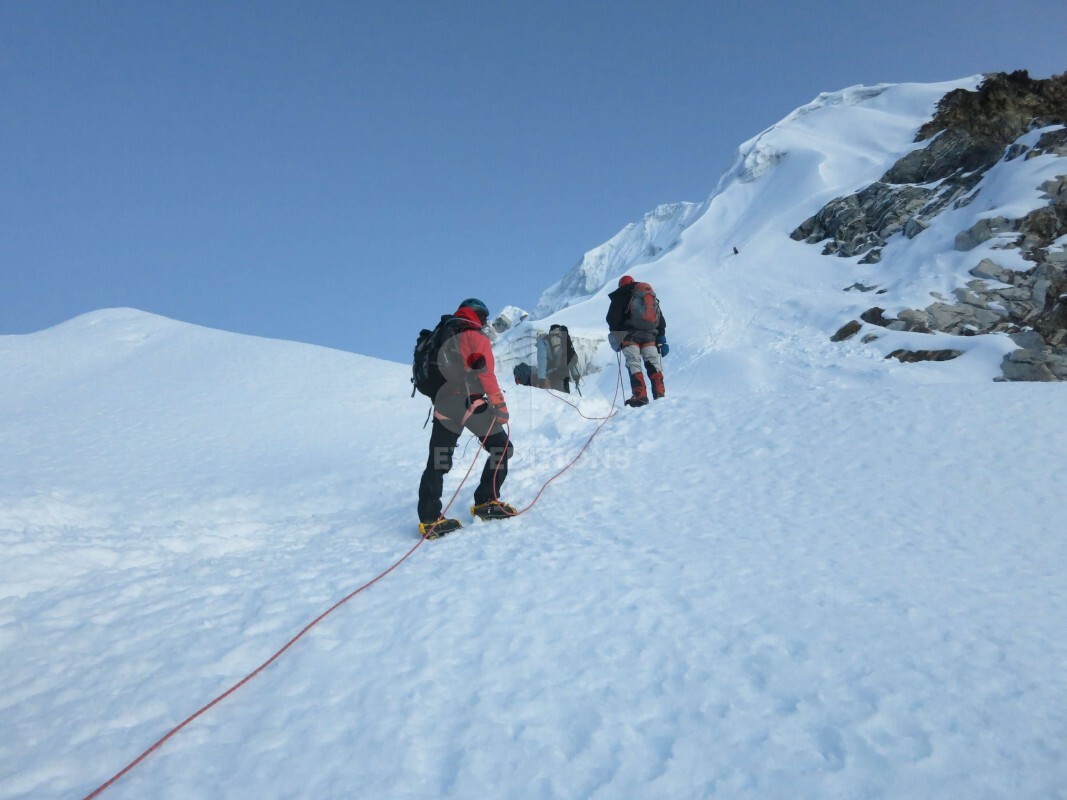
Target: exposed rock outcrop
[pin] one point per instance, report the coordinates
(914, 356)
(970, 132)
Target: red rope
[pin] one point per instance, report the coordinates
(250, 675)
(100, 789)
(589, 441)
(578, 408)
(163, 739)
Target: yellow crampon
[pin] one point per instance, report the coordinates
(494, 509)
(438, 528)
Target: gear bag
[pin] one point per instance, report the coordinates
(426, 376)
(642, 314)
(561, 353)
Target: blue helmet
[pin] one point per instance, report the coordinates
(478, 307)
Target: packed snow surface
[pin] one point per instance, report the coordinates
(808, 572)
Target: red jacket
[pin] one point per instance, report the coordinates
(476, 357)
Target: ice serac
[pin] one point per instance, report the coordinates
(507, 319)
(637, 243)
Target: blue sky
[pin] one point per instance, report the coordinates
(342, 173)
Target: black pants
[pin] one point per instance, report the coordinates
(443, 440)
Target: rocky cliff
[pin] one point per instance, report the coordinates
(1008, 117)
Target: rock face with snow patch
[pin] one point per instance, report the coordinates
(505, 321)
(970, 133)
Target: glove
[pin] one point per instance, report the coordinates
(499, 408)
(544, 384)
(613, 340)
(662, 346)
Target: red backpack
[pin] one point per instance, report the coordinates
(643, 312)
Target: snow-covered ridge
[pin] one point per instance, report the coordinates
(756, 157)
(637, 243)
(852, 96)
(660, 229)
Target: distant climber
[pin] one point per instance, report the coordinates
(637, 328)
(557, 362)
(454, 366)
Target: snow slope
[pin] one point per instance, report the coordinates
(807, 573)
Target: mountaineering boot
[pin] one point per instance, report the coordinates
(640, 394)
(494, 509)
(657, 385)
(438, 528)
